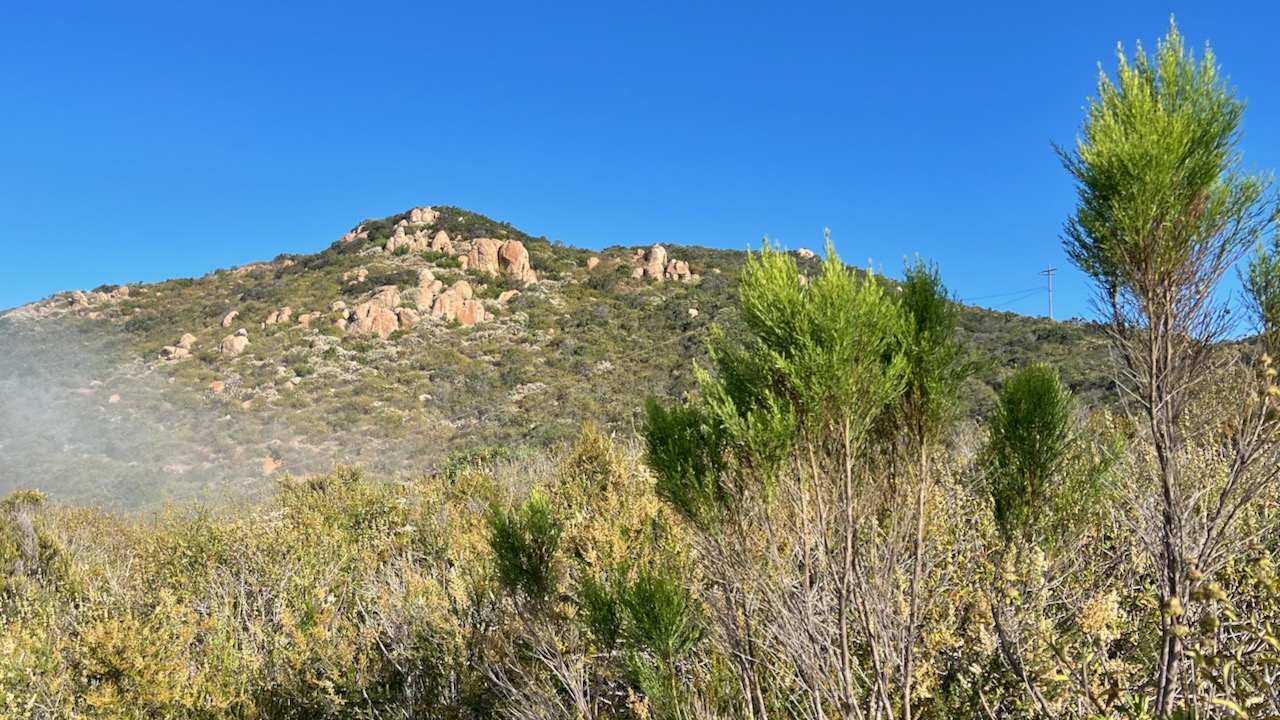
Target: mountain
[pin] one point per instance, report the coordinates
(415, 340)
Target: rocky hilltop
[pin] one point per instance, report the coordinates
(433, 332)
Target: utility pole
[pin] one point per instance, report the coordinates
(1048, 274)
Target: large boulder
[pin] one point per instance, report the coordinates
(234, 344)
(592, 262)
(372, 318)
(513, 258)
(230, 318)
(408, 318)
(281, 316)
(441, 243)
(186, 341)
(484, 255)
(679, 270)
(416, 242)
(462, 289)
(428, 288)
(473, 313)
(656, 262)
(388, 296)
(173, 352)
(358, 234)
(458, 303)
(423, 216)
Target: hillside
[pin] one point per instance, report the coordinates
(431, 334)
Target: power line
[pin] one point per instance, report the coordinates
(1000, 295)
(1017, 299)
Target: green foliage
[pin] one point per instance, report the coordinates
(602, 611)
(472, 460)
(1165, 207)
(525, 544)
(442, 259)
(1028, 453)
(682, 451)
(661, 615)
(937, 363)
(1262, 283)
(1165, 203)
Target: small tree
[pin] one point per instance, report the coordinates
(936, 366)
(804, 468)
(1028, 452)
(1262, 282)
(1165, 208)
(525, 544)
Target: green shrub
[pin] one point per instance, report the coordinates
(525, 544)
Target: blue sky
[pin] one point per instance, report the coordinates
(146, 141)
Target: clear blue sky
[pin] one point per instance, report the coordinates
(146, 141)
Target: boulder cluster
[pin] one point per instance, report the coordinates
(656, 265)
(457, 302)
(380, 315)
(413, 234)
(180, 351)
(499, 257)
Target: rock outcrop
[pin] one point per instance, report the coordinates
(415, 243)
(442, 244)
(378, 315)
(234, 344)
(423, 216)
(408, 318)
(280, 317)
(229, 319)
(513, 259)
(805, 253)
(483, 256)
(657, 265)
(388, 296)
(358, 234)
(679, 270)
(371, 318)
(458, 303)
(428, 288)
(655, 262)
(592, 262)
(180, 351)
(500, 257)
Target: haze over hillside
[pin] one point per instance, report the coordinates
(429, 333)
